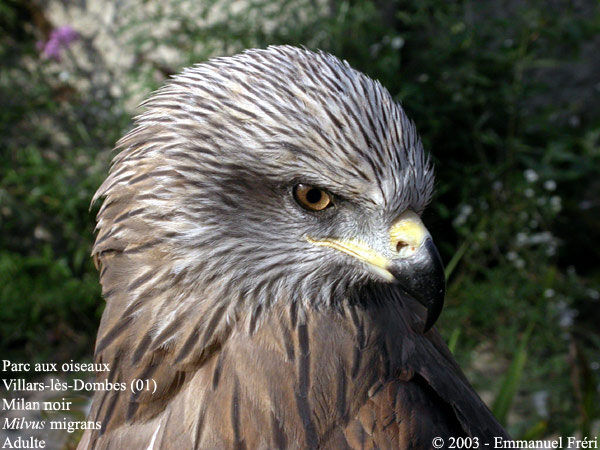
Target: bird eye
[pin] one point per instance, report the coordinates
(312, 198)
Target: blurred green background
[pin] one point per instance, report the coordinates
(506, 96)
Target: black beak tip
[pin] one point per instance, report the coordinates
(423, 279)
(434, 309)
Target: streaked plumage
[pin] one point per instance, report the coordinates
(214, 287)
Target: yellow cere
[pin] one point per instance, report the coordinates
(409, 231)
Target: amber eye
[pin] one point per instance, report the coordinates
(311, 197)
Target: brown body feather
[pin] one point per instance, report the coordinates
(355, 377)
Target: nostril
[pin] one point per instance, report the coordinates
(400, 245)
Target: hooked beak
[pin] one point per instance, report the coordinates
(422, 277)
(411, 261)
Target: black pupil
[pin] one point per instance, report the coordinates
(313, 196)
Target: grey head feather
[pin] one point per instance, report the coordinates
(202, 184)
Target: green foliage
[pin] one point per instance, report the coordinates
(51, 137)
(504, 96)
(511, 382)
(45, 307)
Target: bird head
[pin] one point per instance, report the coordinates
(277, 175)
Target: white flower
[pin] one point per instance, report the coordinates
(464, 212)
(521, 239)
(544, 237)
(556, 203)
(397, 42)
(566, 315)
(42, 233)
(549, 293)
(531, 175)
(540, 402)
(574, 121)
(529, 193)
(550, 185)
(567, 318)
(594, 294)
(374, 49)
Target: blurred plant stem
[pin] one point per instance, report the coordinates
(510, 384)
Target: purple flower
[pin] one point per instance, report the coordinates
(60, 39)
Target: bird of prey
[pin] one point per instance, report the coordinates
(264, 263)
